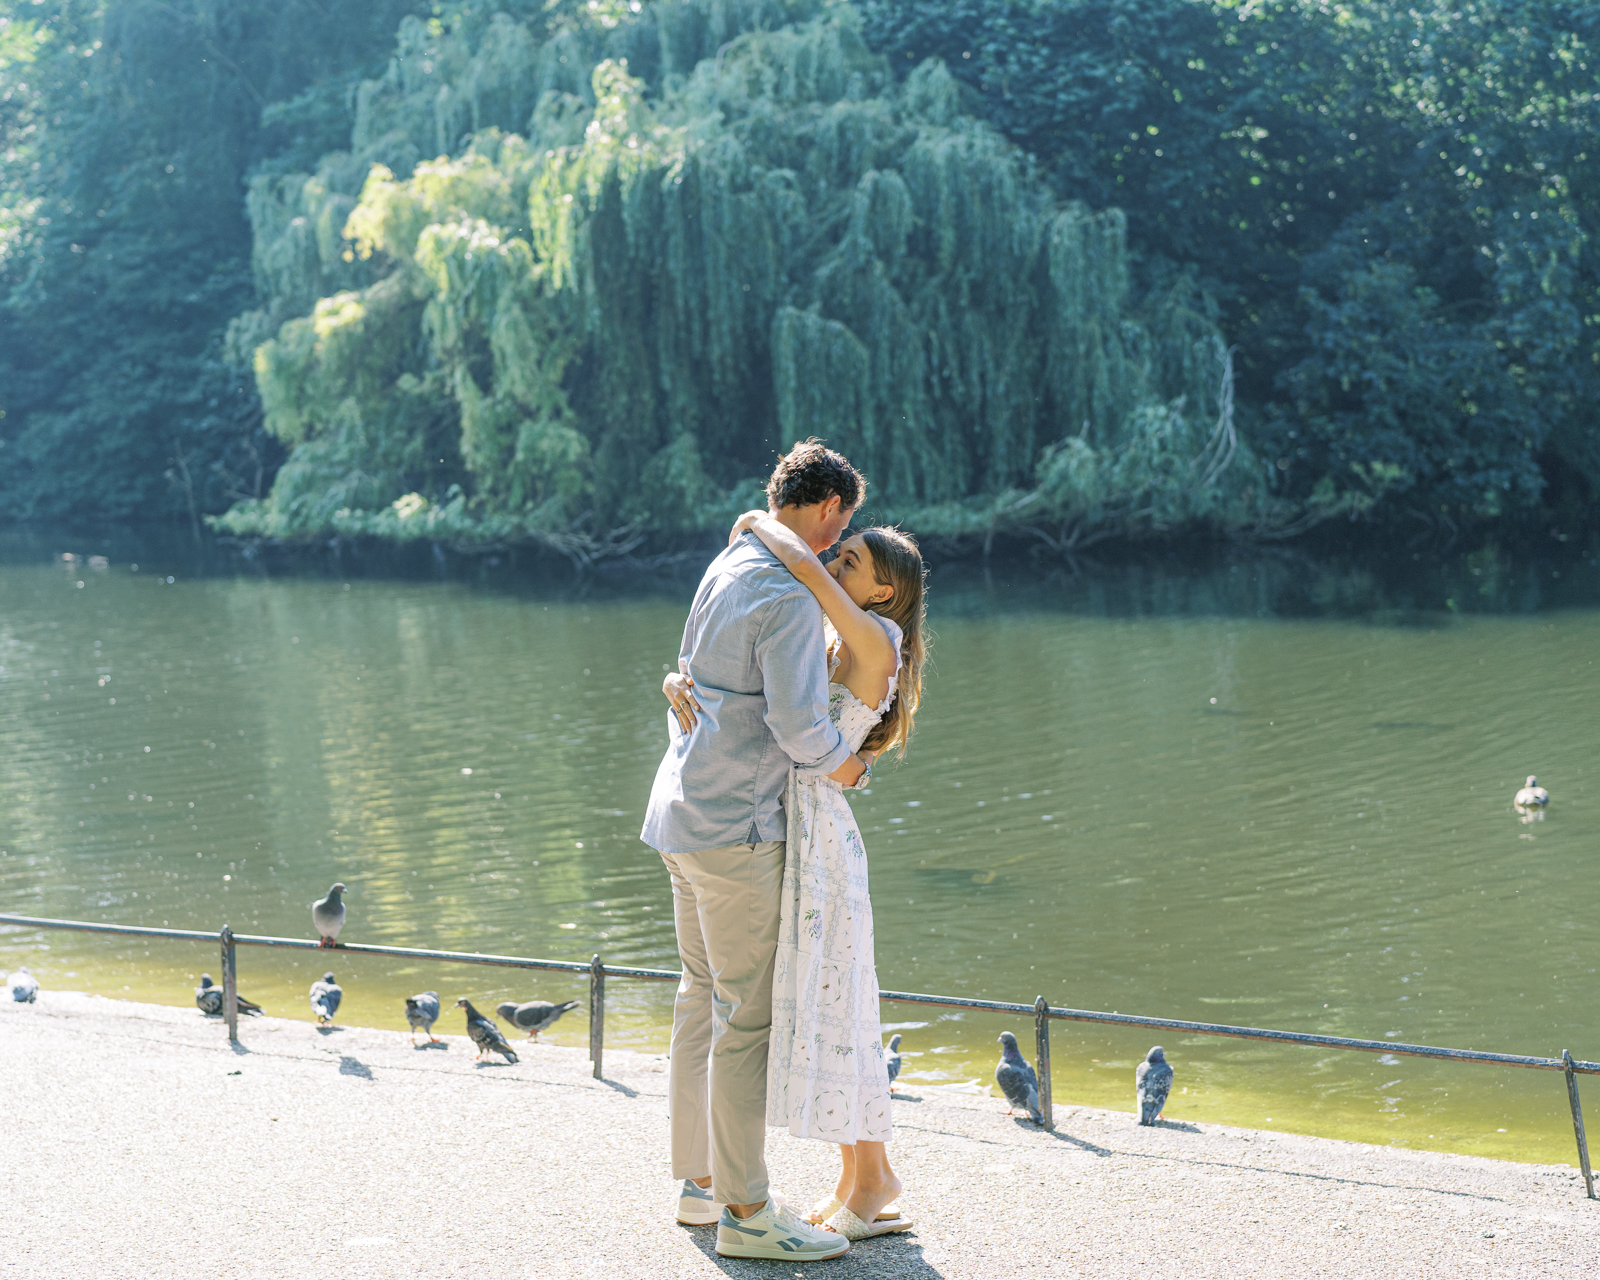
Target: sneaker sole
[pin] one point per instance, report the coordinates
(779, 1255)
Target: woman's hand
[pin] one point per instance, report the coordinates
(784, 543)
(747, 521)
(679, 691)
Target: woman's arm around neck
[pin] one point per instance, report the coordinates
(872, 655)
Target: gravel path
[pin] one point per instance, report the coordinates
(138, 1143)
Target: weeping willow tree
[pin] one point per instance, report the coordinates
(651, 250)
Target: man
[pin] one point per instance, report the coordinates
(754, 648)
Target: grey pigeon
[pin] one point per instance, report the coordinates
(534, 1016)
(422, 1010)
(24, 987)
(484, 1033)
(208, 998)
(892, 1061)
(325, 997)
(1014, 1074)
(1153, 1081)
(327, 914)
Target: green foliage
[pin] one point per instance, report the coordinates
(576, 269)
(128, 128)
(1393, 203)
(1389, 379)
(645, 293)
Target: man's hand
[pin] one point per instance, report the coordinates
(849, 773)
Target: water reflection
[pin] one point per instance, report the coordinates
(1257, 789)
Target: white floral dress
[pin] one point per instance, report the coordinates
(826, 1077)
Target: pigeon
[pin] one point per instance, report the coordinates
(24, 987)
(892, 1061)
(1014, 1074)
(1153, 1080)
(534, 1016)
(325, 997)
(327, 914)
(1532, 796)
(422, 1010)
(484, 1033)
(208, 998)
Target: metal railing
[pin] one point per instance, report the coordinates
(1041, 1011)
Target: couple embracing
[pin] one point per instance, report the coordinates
(775, 714)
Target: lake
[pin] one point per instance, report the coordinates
(1259, 789)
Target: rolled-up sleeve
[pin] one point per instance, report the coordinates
(792, 656)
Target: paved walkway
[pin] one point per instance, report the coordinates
(138, 1143)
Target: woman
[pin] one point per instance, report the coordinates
(826, 1076)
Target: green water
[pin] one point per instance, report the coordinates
(1254, 793)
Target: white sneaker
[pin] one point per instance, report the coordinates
(776, 1231)
(696, 1208)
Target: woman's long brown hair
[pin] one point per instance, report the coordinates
(897, 563)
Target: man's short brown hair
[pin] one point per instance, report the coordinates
(811, 473)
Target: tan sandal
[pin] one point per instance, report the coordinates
(852, 1228)
(825, 1209)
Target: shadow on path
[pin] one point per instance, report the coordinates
(1179, 1159)
(898, 1255)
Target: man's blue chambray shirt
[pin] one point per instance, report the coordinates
(755, 648)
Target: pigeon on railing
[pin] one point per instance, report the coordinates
(325, 997)
(484, 1033)
(892, 1059)
(1017, 1080)
(422, 1010)
(327, 915)
(1153, 1080)
(24, 987)
(208, 999)
(533, 1016)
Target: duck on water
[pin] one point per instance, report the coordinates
(1532, 795)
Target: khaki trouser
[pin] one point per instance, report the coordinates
(726, 905)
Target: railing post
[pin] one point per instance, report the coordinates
(230, 984)
(1577, 1124)
(1041, 1039)
(597, 1015)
